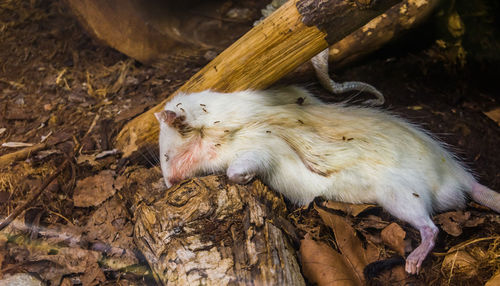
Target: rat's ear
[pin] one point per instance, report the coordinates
(166, 116)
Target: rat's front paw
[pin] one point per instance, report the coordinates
(239, 178)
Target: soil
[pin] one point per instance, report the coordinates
(56, 81)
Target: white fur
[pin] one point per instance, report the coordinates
(398, 158)
(304, 148)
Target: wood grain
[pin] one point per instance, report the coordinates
(206, 231)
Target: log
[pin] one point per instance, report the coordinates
(164, 33)
(119, 24)
(381, 30)
(206, 231)
(292, 35)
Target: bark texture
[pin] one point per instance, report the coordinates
(207, 231)
(381, 30)
(338, 18)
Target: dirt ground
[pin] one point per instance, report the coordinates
(57, 84)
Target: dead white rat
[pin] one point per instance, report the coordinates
(304, 148)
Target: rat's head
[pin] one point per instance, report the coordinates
(184, 146)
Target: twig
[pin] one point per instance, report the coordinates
(40, 190)
(6, 159)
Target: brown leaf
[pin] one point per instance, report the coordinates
(109, 227)
(92, 191)
(494, 115)
(494, 280)
(349, 244)
(452, 222)
(76, 260)
(324, 266)
(350, 209)
(393, 236)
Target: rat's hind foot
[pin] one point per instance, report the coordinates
(415, 259)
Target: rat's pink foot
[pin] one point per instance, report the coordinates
(415, 259)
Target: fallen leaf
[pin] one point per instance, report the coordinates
(351, 209)
(324, 266)
(494, 280)
(110, 230)
(92, 191)
(452, 222)
(72, 261)
(349, 244)
(494, 115)
(393, 236)
(460, 262)
(52, 261)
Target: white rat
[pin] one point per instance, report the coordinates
(304, 148)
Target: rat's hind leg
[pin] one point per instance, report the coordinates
(413, 210)
(428, 233)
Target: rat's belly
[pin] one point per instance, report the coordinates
(301, 186)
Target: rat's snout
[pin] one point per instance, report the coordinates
(174, 181)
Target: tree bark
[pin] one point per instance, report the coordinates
(381, 30)
(265, 54)
(207, 231)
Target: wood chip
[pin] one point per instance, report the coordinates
(16, 144)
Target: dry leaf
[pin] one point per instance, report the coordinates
(494, 280)
(349, 244)
(109, 227)
(92, 191)
(324, 266)
(494, 115)
(393, 236)
(72, 261)
(460, 262)
(351, 209)
(452, 222)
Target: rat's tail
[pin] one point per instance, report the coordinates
(485, 196)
